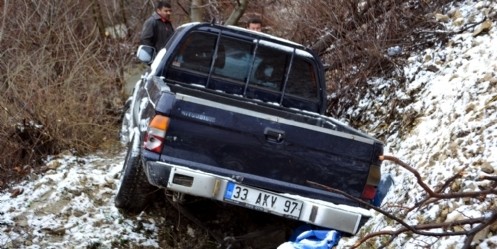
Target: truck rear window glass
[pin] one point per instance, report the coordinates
(269, 68)
(233, 59)
(263, 66)
(196, 52)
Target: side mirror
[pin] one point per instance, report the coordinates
(145, 53)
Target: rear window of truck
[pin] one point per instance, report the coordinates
(255, 69)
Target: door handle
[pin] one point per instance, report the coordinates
(274, 135)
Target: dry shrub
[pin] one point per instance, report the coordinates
(61, 83)
(352, 38)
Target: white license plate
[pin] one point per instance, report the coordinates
(262, 200)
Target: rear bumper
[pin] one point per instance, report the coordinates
(198, 183)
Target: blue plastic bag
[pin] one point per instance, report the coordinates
(313, 239)
(386, 182)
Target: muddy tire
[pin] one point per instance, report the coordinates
(135, 192)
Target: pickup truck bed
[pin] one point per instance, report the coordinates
(225, 137)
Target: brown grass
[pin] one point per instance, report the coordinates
(61, 84)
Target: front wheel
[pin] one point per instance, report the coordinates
(135, 192)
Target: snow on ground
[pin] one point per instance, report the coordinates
(456, 128)
(71, 205)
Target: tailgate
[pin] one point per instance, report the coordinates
(266, 150)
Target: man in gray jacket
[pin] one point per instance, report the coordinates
(157, 29)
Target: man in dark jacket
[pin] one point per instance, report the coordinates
(157, 29)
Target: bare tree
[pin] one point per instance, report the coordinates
(212, 10)
(240, 7)
(98, 17)
(4, 16)
(352, 37)
(197, 13)
(467, 227)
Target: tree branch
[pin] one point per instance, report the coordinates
(432, 196)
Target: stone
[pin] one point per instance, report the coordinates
(483, 28)
(455, 14)
(459, 21)
(487, 168)
(53, 165)
(432, 68)
(442, 18)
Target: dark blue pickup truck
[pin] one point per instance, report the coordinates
(238, 116)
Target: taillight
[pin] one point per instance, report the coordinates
(156, 133)
(368, 192)
(374, 178)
